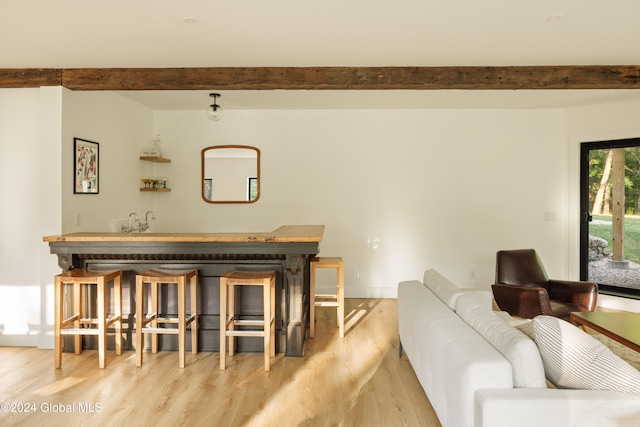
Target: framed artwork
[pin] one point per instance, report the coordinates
(86, 161)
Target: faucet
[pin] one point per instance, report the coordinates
(141, 226)
(144, 226)
(133, 218)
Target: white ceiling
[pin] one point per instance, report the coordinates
(360, 99)
(226, 33)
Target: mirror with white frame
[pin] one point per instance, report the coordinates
(230, 174)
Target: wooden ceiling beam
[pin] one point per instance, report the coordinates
(330, 78)
(30, 77)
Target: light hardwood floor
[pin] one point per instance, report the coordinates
(356, 381)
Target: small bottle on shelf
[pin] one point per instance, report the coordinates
(156, 150)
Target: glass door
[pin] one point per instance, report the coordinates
(610, 209)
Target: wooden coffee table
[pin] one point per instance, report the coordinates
(620, 326)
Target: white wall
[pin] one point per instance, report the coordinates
(29, 186)
(399, 191)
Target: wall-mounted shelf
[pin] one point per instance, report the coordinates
(155, 159)
(156, 188)
(159, 190)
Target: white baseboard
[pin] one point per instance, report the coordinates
(45, 341)
(19, 340)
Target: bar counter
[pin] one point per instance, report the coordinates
(286, 250)
(284, 234)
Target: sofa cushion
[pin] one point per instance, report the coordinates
(574, 359)
(516, 347)
(442, 287)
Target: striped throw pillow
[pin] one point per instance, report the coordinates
(574, 359)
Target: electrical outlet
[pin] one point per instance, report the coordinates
(77, 219)
(356, 274)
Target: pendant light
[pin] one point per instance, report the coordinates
(214, 112)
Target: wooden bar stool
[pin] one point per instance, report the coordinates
(81, 325)
(229, 319)
(326, 300)
(153, 317)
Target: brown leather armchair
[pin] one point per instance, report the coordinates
(523, 288)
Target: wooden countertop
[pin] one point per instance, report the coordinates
(286, 233)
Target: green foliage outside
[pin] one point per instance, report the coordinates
(631, 234)
(597, 162)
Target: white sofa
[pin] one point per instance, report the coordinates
(479, 370)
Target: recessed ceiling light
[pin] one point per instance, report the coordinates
(555, 18)
(190, 20)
